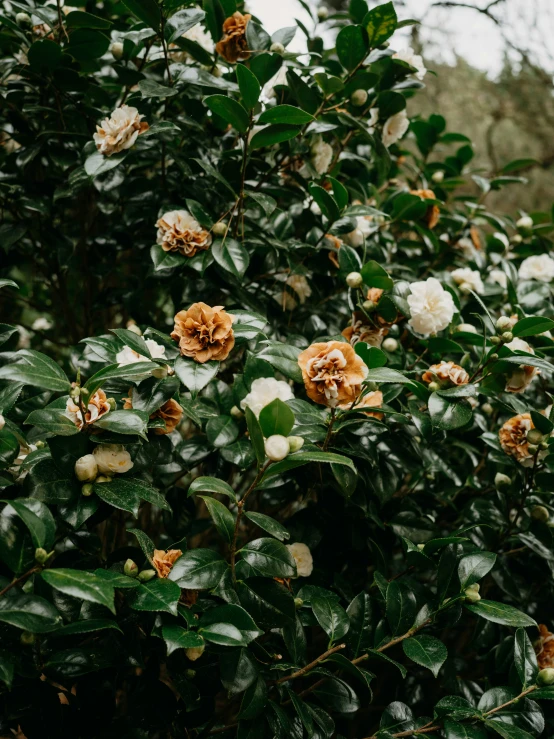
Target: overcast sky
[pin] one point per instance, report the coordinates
(446, 32)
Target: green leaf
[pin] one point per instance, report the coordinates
(238, 670)
(194, 375)
(47, 483)
(198, 569)
(256, 435)
(301, 458)
(269, 524)
(254, 700)
(177, 637)
(153, 89)
(87, 44)
(36, 369)
(231, 256)
(223, 518)
(211, 623)
(532, 326)
(525, 659)
(352, 46)
(285, 114)
(221, 431)
(6, 669)
(86, 627)
(44, 54)
(211, 485)
(360, 616)
(274, 134)
(147, 11)
(121, 494)
(380, 23)
(80, 19)
(37, 518)
(270, 604)
(499, 613)
(276, 418)
(228, 109)
(449, 415)
(332, 618)
(16, 548)
(134, 372)
(474, 567)
(376, 276)
(52, 420)
(426, 651)
(129, 422)
(266, 201)
(181, 22)
(455, 730)
(386, 374)
(508, 731)
(9, 447)
(82, 585)
(117, 579)
(269, 558)
(248, 85)
(303, 713)
(29, 612)
(97, 163)
(401, 607)
(156, 595)
(326, 202)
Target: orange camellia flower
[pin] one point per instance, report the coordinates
(204, 333)
(361, 330)
(332, 373)
(544, 648)
(433, 212)
(233, 46)
(170, 412)
(513, 438)
(179, 232)
(163, 561)
(373, 399)
(446, 372)
(97, 407)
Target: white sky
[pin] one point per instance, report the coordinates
(447, 32)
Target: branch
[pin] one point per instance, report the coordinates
(309, 667)
(21, 578)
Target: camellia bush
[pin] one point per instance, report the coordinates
(276, 422)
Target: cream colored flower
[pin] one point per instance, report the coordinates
(276, 447)
(498, 276)
(538, 267)
(431, 306)
(468, 279)
(361, 330)
(446, 372)
(86, 468)
(120, 131)
(521, 377)
(466, 246)
(358, 236)
(97, 407)
(163, 561)
(204, 333)
(200, 36)
(321, 155)
(301, 287)
(42, 324)
(179, 232)
(332, 373)
(130, 356)
(112, 459)
(513, 438)
(395, 127)
(303, 558)
(263, 391)
(409, 56)
(469, 328)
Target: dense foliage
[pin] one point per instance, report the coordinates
(275, 405)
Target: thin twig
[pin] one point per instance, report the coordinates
(309, 667)
(21, 578)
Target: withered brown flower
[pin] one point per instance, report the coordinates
(233, 46)
(332, 373)
(446, 372)
(361, 330)
(170, 412)
(433, 213)
(204, 333)
(544, 648)
(373, 399)
(163, 560)
(96, 407)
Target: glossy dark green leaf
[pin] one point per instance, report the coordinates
(145, 10)
(401, 607)
(525, 659)
(221, 431)
(81, 584)
(36, 369)
(473, 567)
(274, 134)
(426, 651)
(376, 276)
(156, 595)
(238, 670)
(230, 110)
(268, 524)
(269, 558)
(193, 375)
(177, 637)
(448, 415)
(352, 46)
(332, 618)
(181, 22)
(276, 418)
(285, 114)
(360, 613)
(211, 485)
(254, 700)
(256, 435)
(198, 568)
(130, 422)
(248, 85)
(29, 612)
(222, 517)
(499, 613)
(231, 256)
(37, 518)
(86, 44)
(269, 603)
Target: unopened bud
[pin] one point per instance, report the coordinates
(438, 176)
(23, 19)
(295, 443)
(216, 71)
(276, 447)
(487, 409)
(495, 340)
(219, 228)
(504, 323)
(41, 555)
(27, 638)
(534, 436)
(75, 392)
(236, 412)
(493, 357)
(533, 448)
(525, 225)
(516, 239)
(111, 402)
(390, 345)
(421, 547)
(368, 305)
(434, 386)
(2, 422)
(40, 444)
(117, 50)
(540, 513)
(543, 446)
(85, 394)
(160, 372)
(86, 468)
(354, 280)
(298, 603)
(87, 490)
(359, 98)
(546, 676)
(130, 568)
(322, 13)
(507, 336)
(471, 596)
(103, 478)
(194, 653)
(146, 575)
(502, 481)
(277, 48)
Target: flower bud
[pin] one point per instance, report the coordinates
(495, 340)
(487, 409)
(86, 468)
(354, 279)
(75, 392)
(160, 372)
(41, 555)
(216, 71)
(2, 422)
(85, 394)
(146, 575)
(543, 446)
(236, 412)
(507, 336)
(471, 596)
(103, 478)
(219, 228)
(23, 19)
(546, 676)
(368, 305)
(502, 481)
(540, 513)
(190, 674)
(40, 444)
(130, 568)
(504, 323)
(87, 490)
(295, 443)
(534, 436)
(194, 653)
(421, 547)
(516, 239)
(298, 603)
(390, 345)
(322, 13)
(533, 448)
(277, 48)
(359, 98)
(276, 447)
(438, 176)
(493, 357)
(117, 50)
(525, 225)
(434, 386)
(27, 638)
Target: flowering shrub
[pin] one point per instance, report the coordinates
(282, 465)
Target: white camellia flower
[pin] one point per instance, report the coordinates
(112, 459)
(263, 391)
(321, 155)
(373, 120)
(465, 245)
(199, 35)
(303, 558)
(431, 306)
(539, 267)
(498, 276)
(409, 56)
(120, 131)
(129, 356)
(42, 324)
(357, 237)
(395, 127)
(277, 447)
(86, 468)
(468, 279)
